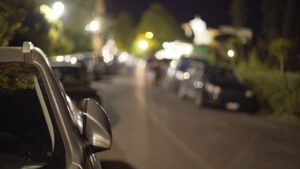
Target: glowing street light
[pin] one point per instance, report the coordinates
(93, 26)
(143, 44)
(149, 35)
(230, 53)
(53, 14)
(58, 8)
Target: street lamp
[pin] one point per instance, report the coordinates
(149, 35)
(58, 8)
(230, 53)
(53, 14)
(143, 44)
(93, 26)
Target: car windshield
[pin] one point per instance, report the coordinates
(222, 74)
(27, 132)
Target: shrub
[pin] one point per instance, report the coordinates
(279, 93)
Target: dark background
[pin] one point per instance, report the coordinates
(213, 12)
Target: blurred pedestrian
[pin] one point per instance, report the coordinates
(130, 63)
(153, 70)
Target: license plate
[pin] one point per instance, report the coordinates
(232, 106)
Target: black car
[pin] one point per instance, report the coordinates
(213, 85)
(75, 81)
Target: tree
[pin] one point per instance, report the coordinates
(10, 20)
(123, 31)
(280, 48)
(272, 27)
(239, 12)
(291, 27)
(273, 16)
(79, 14)
(162, 24)
(34, 26)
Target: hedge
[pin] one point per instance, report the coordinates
(280, 93)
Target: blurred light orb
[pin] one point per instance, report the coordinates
(143, 44)
(149, 35)
(93, 26)
(59, 58)
(73, 60)
(123, 57)
(58, 7)
(68, 58)
(231, 53)
(166, 45)
(186, 75)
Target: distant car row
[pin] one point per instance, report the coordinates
(207, 84)
(95, 64)
(77, 71)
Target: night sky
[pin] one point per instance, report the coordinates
(214, 12)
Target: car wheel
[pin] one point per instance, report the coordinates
(199, 99)
(181, 93)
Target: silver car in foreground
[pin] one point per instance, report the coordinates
(39, 125)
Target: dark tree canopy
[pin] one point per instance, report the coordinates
(239, 12)
(123, 31)
(34, 28)
(162, 23)
(10, 20)
(273, 15)
(79, 13)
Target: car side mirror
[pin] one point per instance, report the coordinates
(96, 126)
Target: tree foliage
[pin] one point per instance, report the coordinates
(239, 11)
(123, 31)
(34, 26)
(162, 23)
(79, 13)
(291, 31)
(280, 48)
(23, 21)
(10, 20)
(273, 16)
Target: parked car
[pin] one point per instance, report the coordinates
(177, 68)
(39, 125)
(112, 64)
(75, 81)
(213, 85)
(93, 63)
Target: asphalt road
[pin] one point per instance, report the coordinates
(154, 129)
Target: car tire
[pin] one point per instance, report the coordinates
(199, 101)
(181, 93)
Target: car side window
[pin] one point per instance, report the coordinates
(27, 132)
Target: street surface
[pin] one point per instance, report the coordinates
(154, 129)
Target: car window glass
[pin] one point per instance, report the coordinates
(26, 130)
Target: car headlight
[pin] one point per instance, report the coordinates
(248, 93)
(186, 75)
(198, 84)
(180, 75)
(211, 88)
